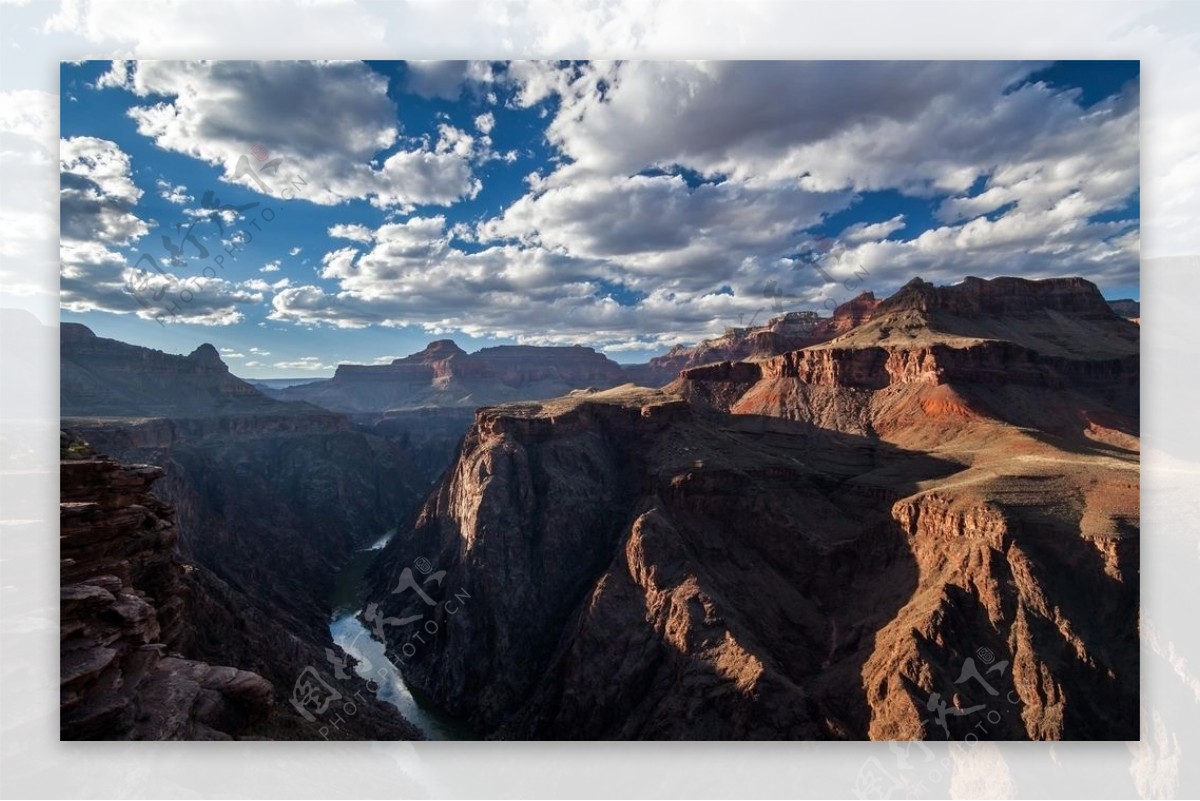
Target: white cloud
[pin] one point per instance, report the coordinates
(260, 352)
(118, 76)
(97, 218)
(295, 251)
(536, 81)
(485, 123)
(259, 285)
(226, 216)
(30, 114)
(304, 363)
(414, 276)
(760, 119)
(1034, 245)
(355, 232)
(446, 79)
(94, 279)
(176, 194)
(869, 232)
(223, 112)
(97, 194)
(231, 353)
(920, 127)
(270, 267)
(656, 231)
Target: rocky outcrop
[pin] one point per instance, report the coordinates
(991, 363)
(781, 334)
(122, 618)
(271, 499)
(1042, 603)
(847, 316)
(1046, 354)
(1001, 296)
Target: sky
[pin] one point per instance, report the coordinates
(298, 215)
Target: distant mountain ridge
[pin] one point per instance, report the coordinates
(1127, 308)
(107, 377)
(444, 375)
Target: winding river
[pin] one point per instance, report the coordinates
(373, 664)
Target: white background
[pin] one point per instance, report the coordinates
(1165, 36)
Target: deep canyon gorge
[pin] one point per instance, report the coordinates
(895, 522)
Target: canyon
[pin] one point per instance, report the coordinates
(268, 500)
(924, 525)
(909, 520)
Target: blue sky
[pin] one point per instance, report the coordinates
(625, 206)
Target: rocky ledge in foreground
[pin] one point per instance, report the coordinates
(122, 598)
(143, 631)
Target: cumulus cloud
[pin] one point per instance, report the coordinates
(97, 193)
(868, 232)
(657, 231)
(94, 279)
(242, 115)
(176, 194)
(414, 275)
(29, 114)
(98, 219)
(270, 267)
(447, 79)
(259, 285)
(764, 119)
(1022, 166)
(354, 231)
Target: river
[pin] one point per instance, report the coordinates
(373, 664)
